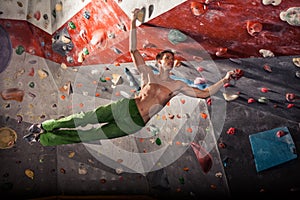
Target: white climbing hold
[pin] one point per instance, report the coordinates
(266, 53)
(291, 16)
(272, 2)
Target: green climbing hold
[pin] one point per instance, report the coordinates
(102, 79)
(71, 25)
(158, 141)
(181, 180)
(175, 36)
(20, 49)
(31, 84)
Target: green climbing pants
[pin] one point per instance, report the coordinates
(119, 119)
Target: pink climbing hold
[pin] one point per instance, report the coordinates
(264, 90)
(251, 100)
(231, 131)
(280, 133)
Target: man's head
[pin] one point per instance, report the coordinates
(165, 59)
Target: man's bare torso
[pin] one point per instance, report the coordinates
(154, 95)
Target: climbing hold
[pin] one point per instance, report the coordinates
(150, 9)
(31, 84)
(181, 180)
(226, 85)
(67, 88)
(80, 58)
(19, 118)
(71, 25)
(117, 79)
(82, 169)
(83, 35)
(230, 96)
(37, 15)
(238, 73)
(200, 69)
(264, 90)
(222, 145)
(20, 49)
(262, 100)
(290, 97)
(8, 137)
(296, 61)
(119, 170)
(219, 175)
(267, 68)
(58, 7)
(189, 130)
(291, 16)
(198, 8)
(29, 173)
(231, 131)
(254, 28)
(297, 74)
(20, 4)
(272, 2)
(203, 115)
(99, 38)
(199, 80)
(290, 105)
(221, 51)
(85, 51)
(45, 16)
(31, 73)
(176, 36)
(141, 15)
(87, 14)
(158, 141)
(42, 73)
(102, 79)
(266, 53)
(12, 94)
(116, 50)
(63, 66)
(209, 101)
(31, 95)
(251, 100)
(280, 133)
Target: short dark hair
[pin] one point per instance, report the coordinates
(162, 53)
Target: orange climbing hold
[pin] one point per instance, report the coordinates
(198, 8)
(254, 28)
(203, 115)
(189, 130)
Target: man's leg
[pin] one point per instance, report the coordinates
(102, 114)
(67, 136)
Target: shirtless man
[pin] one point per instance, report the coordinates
(125, 116)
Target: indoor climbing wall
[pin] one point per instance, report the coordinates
(60, 57)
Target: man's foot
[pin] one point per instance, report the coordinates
(35, 128)
(32, 137)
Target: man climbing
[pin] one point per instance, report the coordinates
(125, 116)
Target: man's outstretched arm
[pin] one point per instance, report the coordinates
(209, 91)
(136, 56)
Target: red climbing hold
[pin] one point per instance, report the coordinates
(231, 131)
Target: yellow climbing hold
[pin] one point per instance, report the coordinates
(29, 173)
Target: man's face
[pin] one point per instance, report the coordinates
(167, 61)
